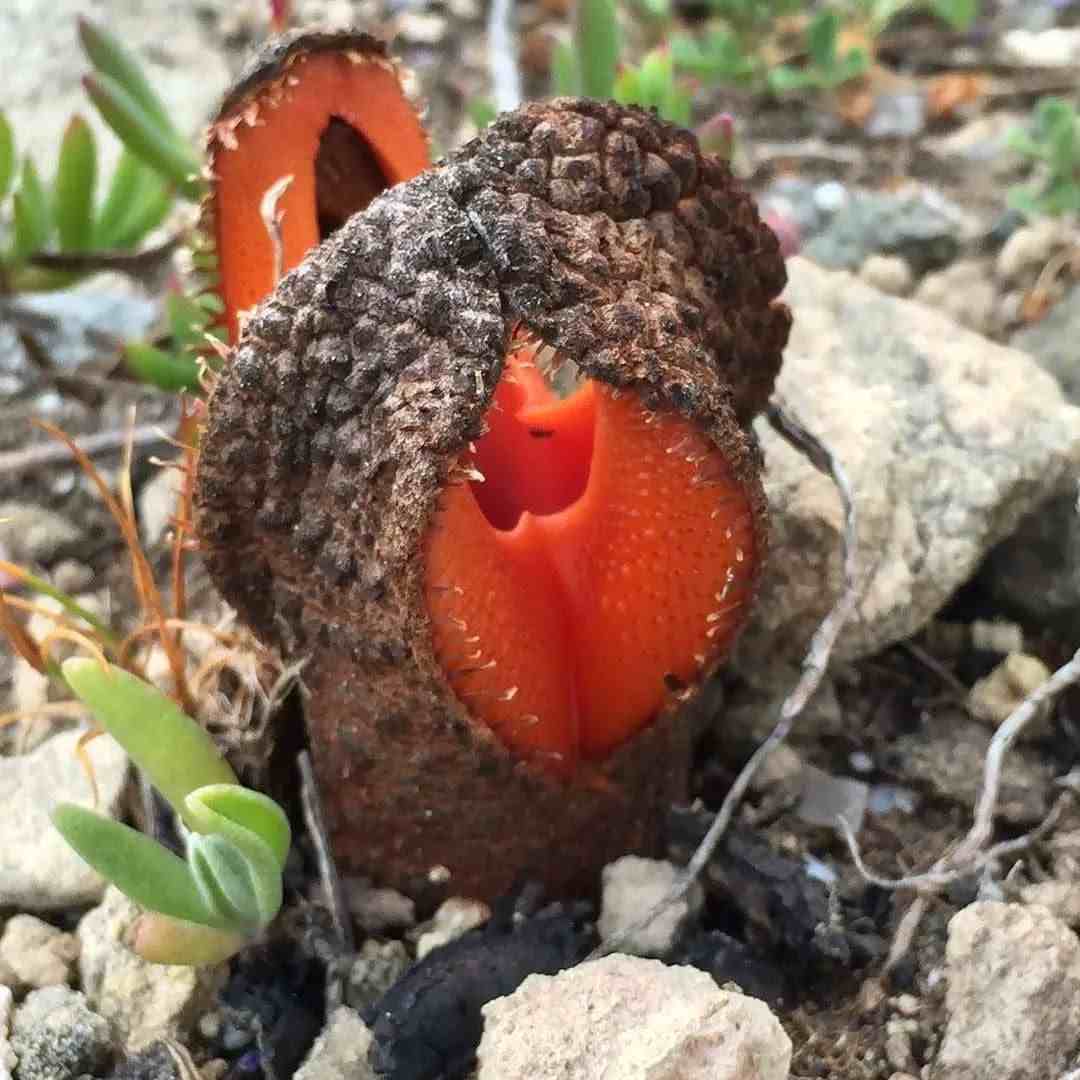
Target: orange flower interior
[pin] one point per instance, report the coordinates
(339, 124)
(588, 558)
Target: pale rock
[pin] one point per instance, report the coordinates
(949, 441)
(36, 953)
(341, 1051)
(142, 1001)
(38, 870)
(32, 534)
(888, 274)
(1057, 47)
(995, 635)
(1060, 898)
(55, 1036)
(157, 505)
(994, 697)
(453, 917)
(377, 910)
(631, 887)
(1013, 1000)
(1030, 248)
(7, 1054)
(1051, 342)
(628, 1018)
(965, 292)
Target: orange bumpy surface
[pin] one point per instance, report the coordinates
(588, 558)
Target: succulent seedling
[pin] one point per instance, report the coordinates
(507, 580)
(203, 908)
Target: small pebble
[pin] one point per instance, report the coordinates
(454, 917)
(632, 886)
(996, 696)
(378, 965)
(37, 954)
(992, 635)
(888, 274)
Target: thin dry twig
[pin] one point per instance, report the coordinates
(972, 854)
(331, 881)
(814, 667)
(144, 437)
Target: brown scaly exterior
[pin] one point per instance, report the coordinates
(358, 383)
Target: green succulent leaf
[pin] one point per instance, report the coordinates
(228, 882)
(175, 752)
(7, 155)
(597, 36)
(165, 370)
(137, 202)
(141, 868)
(147, 211)
(240, 813)
(111, 58)
(33, 225)
(138, 130)
(73, 187)
(959, 14)
(565, 71)
(821, 37)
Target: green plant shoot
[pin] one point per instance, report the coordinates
(208, 906)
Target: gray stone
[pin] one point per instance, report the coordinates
(38, 871)
(37, 954)
(1051, 342)
(142, 1001)
(631, 887)
(341, 1051)
(896, 114)
(792, 198)
(916, 224)
(378, 965)
(948, 753)
(826, 798)
(78, 325)
(949, 441)
(1035, 573)
(55, 1036)
(157, 1062)
(378, 910)
(34, 535)
(7, 1055)
(981, 143)
(1013, 998)
(627, 1018)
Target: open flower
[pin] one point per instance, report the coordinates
(484, 457)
